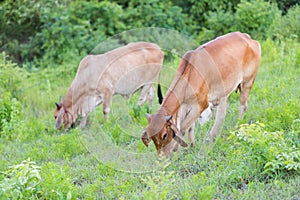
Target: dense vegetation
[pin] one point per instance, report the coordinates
(41, 44)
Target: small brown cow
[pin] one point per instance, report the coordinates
(121, 71)
(204, 80)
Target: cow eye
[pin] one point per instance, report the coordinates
(164, 136)
(55, 117)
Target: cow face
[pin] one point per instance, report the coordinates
(164, 134)
(62, 116)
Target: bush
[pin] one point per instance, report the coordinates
(21, 181)
(265, 153)
(201, 11)
(288, 26)
(256, 18)
(218, 23)
(156, 13)
(12, 77)
(18, 22)
(10, 117)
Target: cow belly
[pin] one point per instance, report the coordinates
(134, 80)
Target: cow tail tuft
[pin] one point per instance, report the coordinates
(159, 93)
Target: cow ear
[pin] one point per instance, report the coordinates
(58, 105)
(145, 138)
(179, 140)
(168, 118)
(148, 117)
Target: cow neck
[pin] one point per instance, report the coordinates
(176, 93)
(171, 104)
(68, 102)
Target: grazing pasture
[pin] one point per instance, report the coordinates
(41, 45)
(254, 158)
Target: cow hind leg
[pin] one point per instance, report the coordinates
(83, 121)
(220, 116)
(146, 93)
(106, 104)
(244, 97)
(191, 134)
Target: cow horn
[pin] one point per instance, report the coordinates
(145, 138)
(60, 99)
(168, 118)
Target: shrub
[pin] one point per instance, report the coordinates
(56, 182)
(156, 13)
(10, 117)
(18, 22)
(268, 153)
(288, 26)
(21, 181)
(256, 17)
(217, 23)
(12, 77)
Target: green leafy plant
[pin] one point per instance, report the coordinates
(268, 152)
(158, 184)
(56, 182)
(10, 117)
(288, 26)
(256, 17)
(12, 77)
(21, 181)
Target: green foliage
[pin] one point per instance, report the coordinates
(257, 162)
(56, 183)
(198, 186)
(288, 26)
(12, 77)
(217, 23)
(155, 13)
(159, 183)
(285, 5)
(201, 11)
(256, 17)
(267, 153)
(18, 22)
(21, 181)
(10, 117)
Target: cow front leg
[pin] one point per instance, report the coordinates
(83, 121)
(106, 104)
(244, 97)
(191, 134)
(146, 93)
(220, 116)
(188, 124)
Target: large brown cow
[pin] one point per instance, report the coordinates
(204, 80)
(120, 71)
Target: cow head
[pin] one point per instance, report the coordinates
(164, 134)
(62, 116)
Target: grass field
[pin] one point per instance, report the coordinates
(107, 160)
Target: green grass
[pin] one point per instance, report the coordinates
(107, 160)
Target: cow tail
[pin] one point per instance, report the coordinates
(159, 93)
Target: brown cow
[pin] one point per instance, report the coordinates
(121, 71)
(204, 80)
